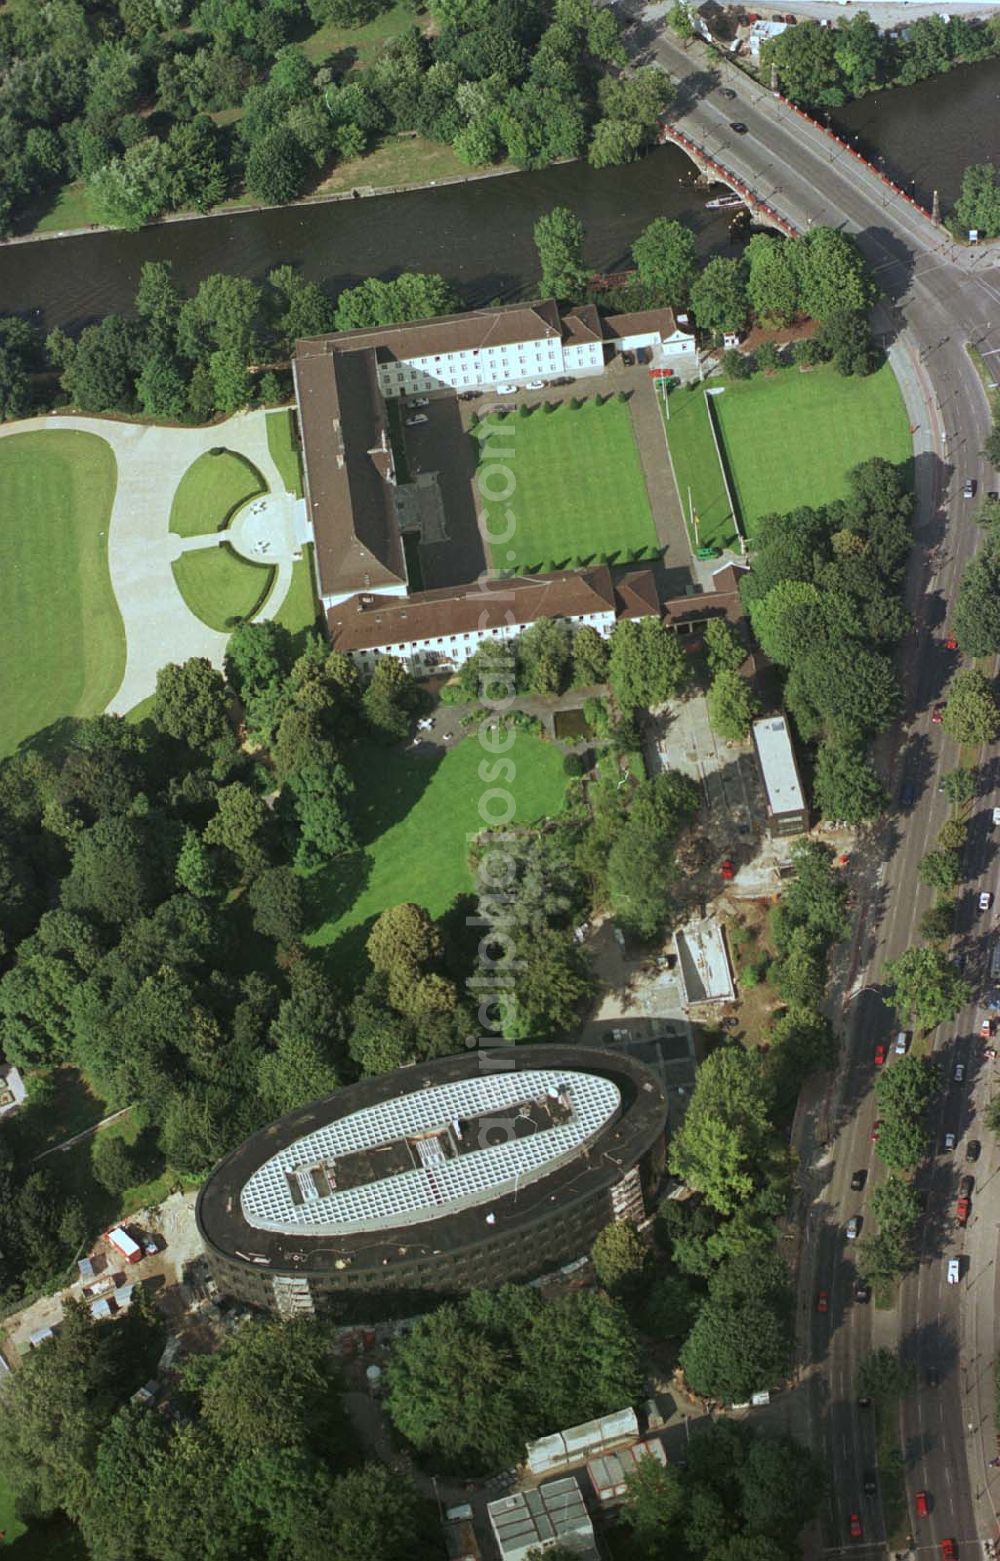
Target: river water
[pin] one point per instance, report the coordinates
(479, 234)
(928, 134)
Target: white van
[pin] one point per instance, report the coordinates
(902, 1042)
(954, 1270)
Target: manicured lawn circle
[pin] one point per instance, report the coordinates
(576, 487)
(211, 490)
(62, 641)
(417, 814)
(219, 586)
(792, 439)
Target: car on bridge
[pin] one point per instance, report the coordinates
(856, 1527)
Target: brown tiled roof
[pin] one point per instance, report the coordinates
(365, 622)
(351, 504)
(702, 605)
(582, 325)
(662, 320)
(448, 333)
(636, 595)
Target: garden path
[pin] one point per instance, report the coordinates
(159, 626)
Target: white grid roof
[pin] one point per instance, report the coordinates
(436, 1185)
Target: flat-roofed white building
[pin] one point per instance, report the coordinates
(788, 812)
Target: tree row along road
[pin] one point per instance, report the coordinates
(938, 298)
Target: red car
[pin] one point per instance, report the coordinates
(962, 1211)
(727, 869)
(951, 643)
(879, 1053)
(986, 1028)
(857, 1531)
(936, 714)
(921, 1502)
(949, 1550)
(823, 1301)
(876, 1129)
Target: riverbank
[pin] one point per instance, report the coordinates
(248, 208)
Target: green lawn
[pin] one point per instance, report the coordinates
(219, 586)
(359, 42)
(417, 816)
(697, 470)
(792, 438)
(572, 481)
(70, 209)
(62, 642)
(299, 609)
(284, 450)
(211, 490)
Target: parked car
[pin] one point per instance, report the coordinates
(959, 1074)
(985, 899)
(973, 1149)
(419, 401)
(902, 1042)
(968, 488)
(870, 1482)
(876, 1129)
(879, 1053)
(727, 869)
(415, 422)
(933, 1377)
(937, 714)
(823, 1301)
(853, 1227)
(858, 1180)
(628, 359)
(862, 1290)
(506, 390)
(986, 1028)
(962, 1207)
(726, 92)
(949, 1550)
(920, 1502)
(907, 794)
(738, 126)
(954, 1270)
(535, 384)
(949, 1141)
(996, 816)
(856, 1527)
(864, 1402)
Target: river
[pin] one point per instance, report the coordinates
(479, 234)
(928, 134)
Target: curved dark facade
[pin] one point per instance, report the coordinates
(468, 1171)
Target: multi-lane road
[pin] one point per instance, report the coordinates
(939, 297)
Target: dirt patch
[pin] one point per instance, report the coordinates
(751, 950)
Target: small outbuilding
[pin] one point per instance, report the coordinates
(540, 1519)
(788, 813)
(12, 1089)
